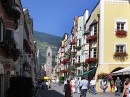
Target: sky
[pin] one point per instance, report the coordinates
(56, 17)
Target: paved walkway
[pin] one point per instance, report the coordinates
(60, 90)
(57, 91)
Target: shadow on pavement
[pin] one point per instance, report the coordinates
(49, 93)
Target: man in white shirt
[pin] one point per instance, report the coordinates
(84, 86)
(93, 85)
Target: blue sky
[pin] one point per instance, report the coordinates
(56, 16)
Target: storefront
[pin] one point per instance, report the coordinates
(1, 80)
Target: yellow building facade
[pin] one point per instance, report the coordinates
(113, 36)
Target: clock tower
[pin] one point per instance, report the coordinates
(49, 61)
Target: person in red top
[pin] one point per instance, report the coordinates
(68, 89)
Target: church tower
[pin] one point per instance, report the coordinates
(49, 61)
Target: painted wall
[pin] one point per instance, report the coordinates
(113, 11)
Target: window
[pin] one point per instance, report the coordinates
(95, 29)
(120, 25)
(2, 29)
(79, 42)
(73, 61)
(49, 54)
(120, 48)
(78, 59)
(80, 29)
(94, 52)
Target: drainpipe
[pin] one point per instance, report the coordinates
(98, 15)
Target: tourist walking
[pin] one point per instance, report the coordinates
(93, 86)
(103, 85)
(78, 85)
(84, 87)
(126, 91)
(68, 89)
(118, 83)
(73, 82)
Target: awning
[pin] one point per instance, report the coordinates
(1, 69)
(124, 71)
(86, 72)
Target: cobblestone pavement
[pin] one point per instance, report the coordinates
(57, 91)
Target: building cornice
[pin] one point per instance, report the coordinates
(117, 1)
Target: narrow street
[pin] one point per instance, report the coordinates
(57, 91)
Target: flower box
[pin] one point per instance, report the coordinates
(120, 54)
(104, 76)
(92, 37)
(64, 71)
(65, 61)
(88, 60)
(71, 68)
(77, 64)
(121, 33)
(78, 47)
(73, 41)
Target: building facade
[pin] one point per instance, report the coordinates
(100, 41)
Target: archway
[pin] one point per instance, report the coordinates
(122, 77)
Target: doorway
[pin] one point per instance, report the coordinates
(122, 77)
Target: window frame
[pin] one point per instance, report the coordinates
(118, 48)
(79, 59)
(92, 52)
(2, 29)
(117, 44)
(120, 20)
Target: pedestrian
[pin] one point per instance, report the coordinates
(112, 85)
(83, 86)
(78, 85)
(68, 89)
(73, 82)
(93, 85)
(126, 88)
(118, 83)
(103, 84)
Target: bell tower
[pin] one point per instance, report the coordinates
(49, 61)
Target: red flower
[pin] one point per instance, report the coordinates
(88, 60)
(65, 61)
(64, 71)
(121, 33)
(92, 37)
(120, 54)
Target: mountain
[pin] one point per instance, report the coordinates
(43, 41)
